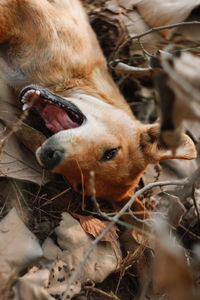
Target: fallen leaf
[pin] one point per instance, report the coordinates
(59, 276)
(30, 137)
(179, 83)
(73, 243)
(16, 161)
(18, 246)
(167, 12)
(32, 286)
(176, 209)
(120, 22)
(191, 218)
(95, 227)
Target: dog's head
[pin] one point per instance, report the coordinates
(91, 135)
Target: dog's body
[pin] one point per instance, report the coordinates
(51, 44)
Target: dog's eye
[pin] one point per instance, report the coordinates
(109, 154)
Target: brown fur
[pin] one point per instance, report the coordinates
(50, 43)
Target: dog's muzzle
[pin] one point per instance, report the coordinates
(49, 156)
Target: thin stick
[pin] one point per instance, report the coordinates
(130, 69)
(154, 29)
(14, 129)
(55, 197)
(114, 220)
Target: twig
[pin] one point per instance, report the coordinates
(93, 191)
(82, 185)
(154, 29)
(40, 187)
(114, 220)
(130, 69)
(195, 202)
(127, 263)
(138, 222)
(144, 50)
(94, 199)
(14, 129)
(55, 197)
(187, 231)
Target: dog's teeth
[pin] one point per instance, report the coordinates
(29, 92)
(25, 106)
(23, 100)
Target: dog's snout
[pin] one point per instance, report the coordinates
(49, 157)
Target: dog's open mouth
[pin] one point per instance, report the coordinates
(58, 113)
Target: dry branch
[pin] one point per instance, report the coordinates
(130, 69)
(154, 29)
(113, 221)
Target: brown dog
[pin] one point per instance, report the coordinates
(51, 44)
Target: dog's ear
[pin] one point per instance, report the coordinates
(154, 150)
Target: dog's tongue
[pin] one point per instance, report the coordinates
(56, 118)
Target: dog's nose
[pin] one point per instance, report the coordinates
(49, 156)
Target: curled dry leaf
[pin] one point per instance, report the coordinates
(16, 161)
(32, 286)
(95, 227)
(121, 21)
(169, 12)
(176, 86)
(73, 243)
(192, 217)
(30, 137)
(173, 208)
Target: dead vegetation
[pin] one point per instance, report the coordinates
(56, 244)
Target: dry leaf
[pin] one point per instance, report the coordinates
(74, 242)
(59, 276)
(18, 246)
(141, 238)
(176, 209)
(32, 286)
(95, 227)
(183, 80)
(16, 161)
(191, 218)
(166, 12)
(30, 137)
(179, 83)
(121, 20)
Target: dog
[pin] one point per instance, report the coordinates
(50, 55)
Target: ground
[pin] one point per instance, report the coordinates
(160, 262)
